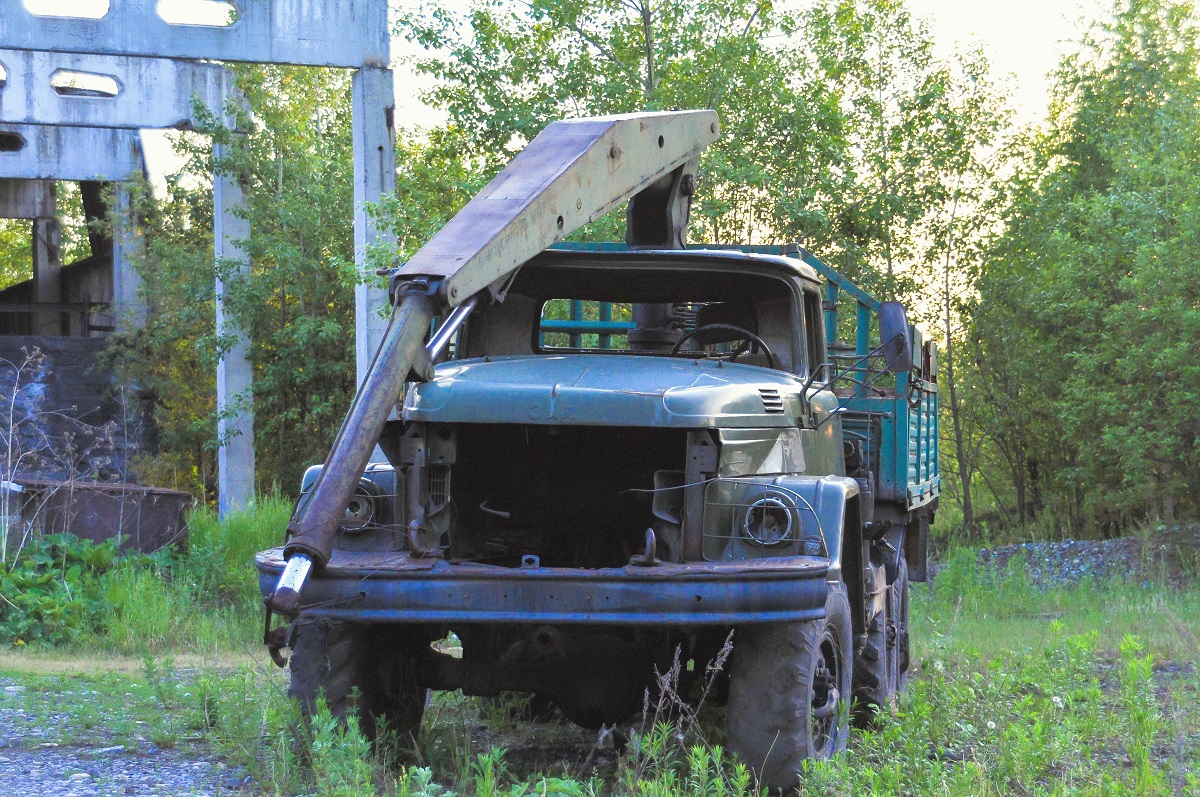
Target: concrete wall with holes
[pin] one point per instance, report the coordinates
(78, 78)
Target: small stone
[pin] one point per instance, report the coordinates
(80, 777)
(13, 690)
(117, 748)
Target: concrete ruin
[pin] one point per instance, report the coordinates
(75, 91)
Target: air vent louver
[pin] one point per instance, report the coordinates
(772, 403)
(437, 486)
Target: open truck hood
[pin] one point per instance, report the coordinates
(606, 390)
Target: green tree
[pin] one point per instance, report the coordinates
(958, 209)
(16, 251)
(505, 70)
(1090, 304)
(16, 238)
(297, 305)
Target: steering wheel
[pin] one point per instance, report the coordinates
(741, 333)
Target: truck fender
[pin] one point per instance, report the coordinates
(828, 507)
(822, 504)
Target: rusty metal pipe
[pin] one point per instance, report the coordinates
(314, 526)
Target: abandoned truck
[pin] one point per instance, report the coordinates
(585, 460)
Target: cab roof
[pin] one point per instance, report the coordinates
(701, 258)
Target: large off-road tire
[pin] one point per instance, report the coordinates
(899, 600)
(874, 684)
(332, 659)
(788, 687)
(881, 667)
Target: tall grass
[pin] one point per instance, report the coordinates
(1015, 690)
(200, 599)
(960, 615)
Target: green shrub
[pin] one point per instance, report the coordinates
(51, 592)
(142, 606)
(61, 589)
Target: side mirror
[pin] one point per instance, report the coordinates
(895, 339)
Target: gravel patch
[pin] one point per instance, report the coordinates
(82, 772)
(43, 753)
(1171, 553)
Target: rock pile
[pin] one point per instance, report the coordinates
(1167, 553)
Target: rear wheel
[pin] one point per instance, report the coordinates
(332, 659)
(787, 691)
(899, 599)
(881, 667)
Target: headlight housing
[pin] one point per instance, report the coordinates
(769, 521)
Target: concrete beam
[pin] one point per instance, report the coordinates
(373, 108)
(151, 92)
(25, 199)
(235, 396)
(345, 33)
(44, 152)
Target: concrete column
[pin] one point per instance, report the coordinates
(373, 104)
(47, 265)
(129, 305)
(235, 398)
(24, 198)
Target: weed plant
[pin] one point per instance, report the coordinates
(1092, 690)
(1086, 691)
(61, 590)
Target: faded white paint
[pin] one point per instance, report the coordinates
(235, 398)
(70, 153)
(374, 178)
(345, 33)
(154, 92)
(129, 306)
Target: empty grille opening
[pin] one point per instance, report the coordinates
(74, 83)
(573, 496)
(772, 402)
(203, 13)
(78, 9)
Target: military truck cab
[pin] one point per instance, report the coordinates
(633, 454)
(609, 458)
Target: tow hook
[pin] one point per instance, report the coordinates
(650, 557)
(830, 707)
(276, 639)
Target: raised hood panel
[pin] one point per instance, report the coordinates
(596, 389)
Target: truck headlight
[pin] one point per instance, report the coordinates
(768, 521)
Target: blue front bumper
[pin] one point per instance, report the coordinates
(391, 587)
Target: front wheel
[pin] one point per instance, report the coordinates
(788, 690)
(367, 670)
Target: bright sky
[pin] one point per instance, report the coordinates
(1023, 38)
